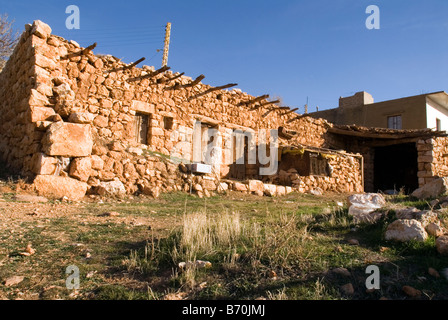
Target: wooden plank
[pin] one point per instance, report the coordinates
(391, 136)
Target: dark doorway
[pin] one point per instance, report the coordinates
(395, 167)
(141, 128)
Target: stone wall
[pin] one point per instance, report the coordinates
(111, 126)
(432, 159)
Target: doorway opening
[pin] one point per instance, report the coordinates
(396, 167)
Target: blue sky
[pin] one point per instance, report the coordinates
(315, 49)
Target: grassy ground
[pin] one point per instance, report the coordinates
(258, 248)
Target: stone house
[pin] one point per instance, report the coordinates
(76, 123)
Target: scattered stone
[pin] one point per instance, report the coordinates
(317, 191)
(341, 271)
(442, 245)
(176, 296)
(58, 187)
(111, 188)
(348, 289)
(353, 242)
(411, 292)
(272, 275)
(29, 251)
(434, 230)
(363, 207)
(12, 281)
(110, 214)
(433, 189)
(406, 229)
(30, 198)
(433, 272)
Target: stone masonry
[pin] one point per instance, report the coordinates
(71, 117)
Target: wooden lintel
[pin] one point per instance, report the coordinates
(150, 75)
(373, 135)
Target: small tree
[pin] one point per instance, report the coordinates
(8, 39)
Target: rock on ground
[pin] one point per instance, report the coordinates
(431, 190)
(442, 245)
(405, 230)
(59, 187)
(363, 207)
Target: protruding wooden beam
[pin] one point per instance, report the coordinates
(89, 48)
(171, 79)
(81, 52)
(230, 85)
(267, 113)
(150, 75)
(128, 66)
(255, 100)
(299, 117)
(290, 111)
(195, 82)
(265, 104)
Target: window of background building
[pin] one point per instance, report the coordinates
(394, 122)
(438, 124)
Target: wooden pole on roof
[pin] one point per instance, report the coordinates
(167, 44)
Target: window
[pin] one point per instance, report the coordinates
(141, 127)
(438, 124)
(168, 123)
(394, 122)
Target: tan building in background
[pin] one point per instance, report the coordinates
(416, 112)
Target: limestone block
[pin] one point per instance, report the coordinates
(101, 121)
(37, 99)
(432, 189)
(81, 117)
(255, 186)
(406, 229)
(59, 187)
(41, 113)
(68, 139)
(270, 189)
(97, 162)
(142, 107)
(81, 168)
(43, 164)
(442, 245)
(111, 188)
(41, 29)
